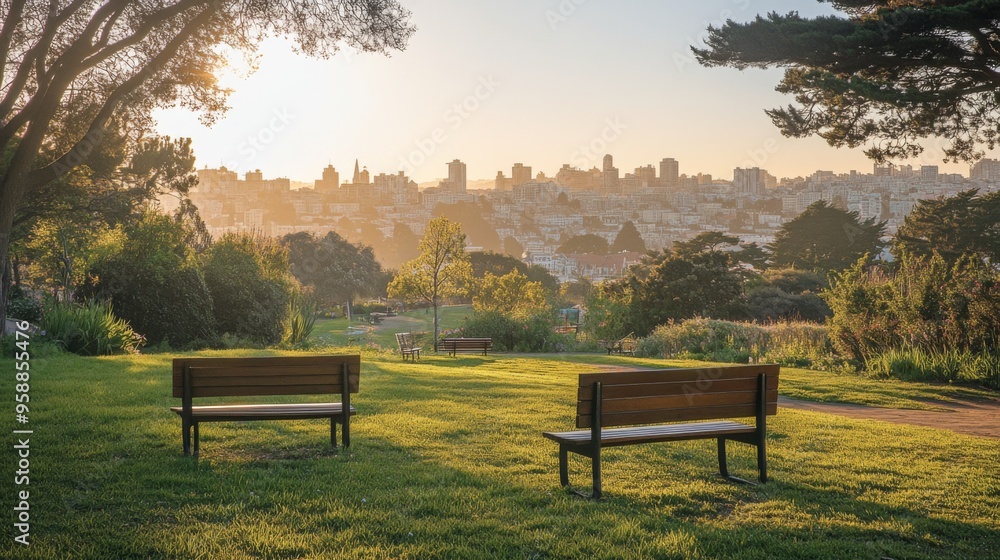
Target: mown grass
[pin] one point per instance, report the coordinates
(447, 461)
(825, 386)
(334, 331)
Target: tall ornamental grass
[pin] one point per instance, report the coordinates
(90, 330)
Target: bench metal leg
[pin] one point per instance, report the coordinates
(563, 466)
(333, 432)
(186, 435)
(596, 467)
(347, 433)
(762, 459)
(723, 468)
(195, 439)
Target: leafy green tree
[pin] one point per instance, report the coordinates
(584, 244)
(826, 238)
(668, 287)
(753, 255)
(402, 246)
(479, 230)
(511, 294)
(151, 279)
(703, 242)
(889, 74)
(500, 264)
(953, 227)
(628, 239)
(79, 77)
(337, 270)
(442, 270)
(250, 283)
(512, 247)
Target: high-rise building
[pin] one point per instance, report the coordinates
(361, 177)
(456, 176)
(520, 174)
(669, 172)
(929, 172)
(330, 181)
(609, 176)
(985, 170)
(645, 176)
(749, 182)
(502, 183)
(882, 169)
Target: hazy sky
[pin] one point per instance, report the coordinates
(541, 82)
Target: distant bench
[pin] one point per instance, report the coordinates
(631, 398)
(405, 342)
(624, 346)
(270, 376)
(454, 345)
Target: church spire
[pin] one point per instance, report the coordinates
(357, 173)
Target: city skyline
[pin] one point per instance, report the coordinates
(552, 95)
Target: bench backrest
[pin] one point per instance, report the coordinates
(472, 342)
(657, 396)
(293, 375)
(405, 341)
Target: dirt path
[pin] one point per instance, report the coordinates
(977, 418)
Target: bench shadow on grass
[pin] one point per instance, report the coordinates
(411, 490)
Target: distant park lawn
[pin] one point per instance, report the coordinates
(334, 331)
(447, 461)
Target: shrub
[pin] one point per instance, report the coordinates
(925, 304)
(788, 344)
(151, 281)
(247, 276)
(90, 330)
(24, 306)
(530, 334)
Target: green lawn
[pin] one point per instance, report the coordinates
(334, 331)
(447, 461)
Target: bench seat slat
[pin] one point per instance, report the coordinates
(207, 413)
(650, 434)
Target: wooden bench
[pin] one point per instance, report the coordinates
(634, 398)
(454, 345)
(271, 376)
(405, 342)
(624, 346)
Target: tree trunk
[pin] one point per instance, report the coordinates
(435, 304)
(5, 280)
(8, 202)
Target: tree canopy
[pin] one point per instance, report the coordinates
(79, 78)
(964, 224)
(337, 270)
(442, 270)
(826, 238)
(889, 74)
(628, 239)
(584, 244)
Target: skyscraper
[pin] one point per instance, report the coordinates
(749, 182)
(609, 176)
(520, 174)
(456, 176)
(669, 172)
(330, 181)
